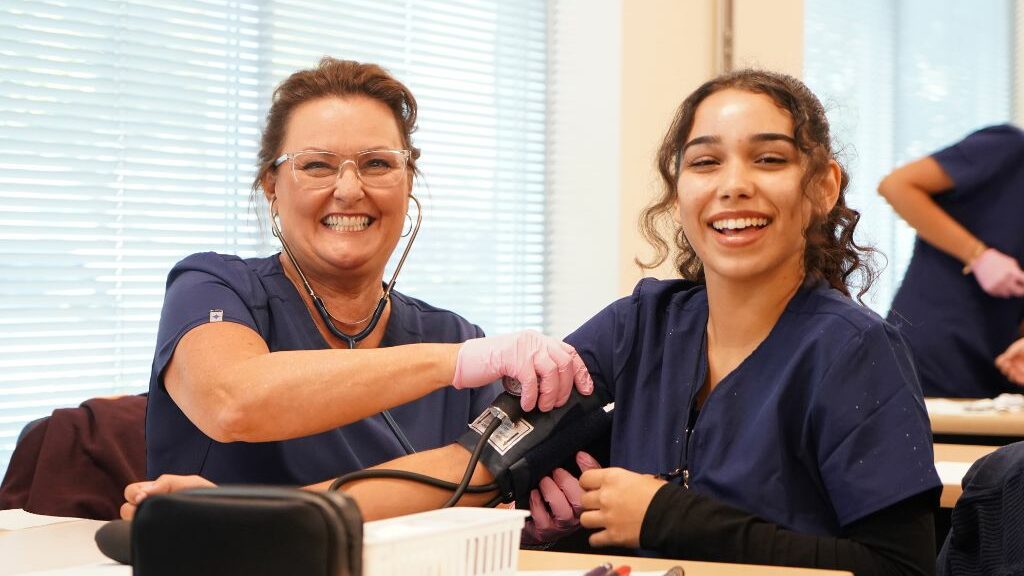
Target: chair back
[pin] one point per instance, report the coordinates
(986, 534)
(77, 461)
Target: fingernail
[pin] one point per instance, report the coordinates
(582, 458)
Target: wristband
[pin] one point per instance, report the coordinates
(978, 251)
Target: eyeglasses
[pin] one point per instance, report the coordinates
(316, 170)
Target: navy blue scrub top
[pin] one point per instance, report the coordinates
(954, 328)
(823, 424)
(255, 292)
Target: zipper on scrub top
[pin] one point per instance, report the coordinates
(677, 473)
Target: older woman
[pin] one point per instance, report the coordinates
(253, 378)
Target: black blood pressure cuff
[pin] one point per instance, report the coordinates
(527, 447)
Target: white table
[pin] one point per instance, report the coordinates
(70, 545)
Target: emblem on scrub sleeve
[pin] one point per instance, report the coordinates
(216, 315)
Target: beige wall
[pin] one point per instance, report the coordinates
(668, 49)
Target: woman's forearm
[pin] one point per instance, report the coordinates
(384, 498)
(909, 191)
(934, 225)
(234, 389)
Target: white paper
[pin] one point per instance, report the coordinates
(943, 406)
(952, 472)
(17, 519)
(104, 569)
(1003, 403)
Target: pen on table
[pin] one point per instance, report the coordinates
(600, 570)
(675, 571)
(623, 570)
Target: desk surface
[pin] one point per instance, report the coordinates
(960, 453)
(70, 544)
(531, 560)
(948, 416)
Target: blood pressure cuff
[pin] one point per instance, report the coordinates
(244, 530)
(518, 455)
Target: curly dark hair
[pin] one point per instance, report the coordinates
(831, 254)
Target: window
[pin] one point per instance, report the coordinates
(130, 134)
(902, 80)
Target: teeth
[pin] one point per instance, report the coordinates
(738, 223)
(347, 223)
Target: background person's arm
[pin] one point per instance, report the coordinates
(909, 190)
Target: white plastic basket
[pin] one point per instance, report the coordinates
(448, 542)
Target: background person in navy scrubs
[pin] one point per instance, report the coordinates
(960, 305)
(786, 417)
(249, 385)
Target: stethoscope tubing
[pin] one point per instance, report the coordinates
(353, 339)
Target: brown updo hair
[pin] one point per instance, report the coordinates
(831, 253)
(337, 78)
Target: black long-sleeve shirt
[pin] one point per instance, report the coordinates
(899, 539)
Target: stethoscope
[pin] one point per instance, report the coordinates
(353, 339)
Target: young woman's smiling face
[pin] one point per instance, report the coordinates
(739, 197)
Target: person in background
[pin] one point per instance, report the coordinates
(961, 302)
(761, 415)
(254, 380)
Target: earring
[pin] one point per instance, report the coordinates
(407, 232)
(275, 227)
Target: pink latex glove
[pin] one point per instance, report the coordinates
(998, 274)
(546, 367)
(555, 507)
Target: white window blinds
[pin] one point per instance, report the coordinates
(902, 80)
(129, 135)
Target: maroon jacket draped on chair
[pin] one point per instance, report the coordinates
(77, 461)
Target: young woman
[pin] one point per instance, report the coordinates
(784, 421)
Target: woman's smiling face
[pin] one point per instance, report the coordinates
(739, 196)
(350, 227)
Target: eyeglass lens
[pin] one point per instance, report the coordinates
(374, 168)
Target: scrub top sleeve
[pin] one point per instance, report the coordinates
(605, 342)
(980, 157)
(201, 291)
(869, 427)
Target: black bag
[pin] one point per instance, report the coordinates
(247, 530)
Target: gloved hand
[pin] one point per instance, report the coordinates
(555, 508)
(998, 274)
(545, 366)
(1011, 362)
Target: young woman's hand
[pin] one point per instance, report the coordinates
(138, 491)
(546, 367)
(616, 500)
(1011, 362)
(555, 506)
